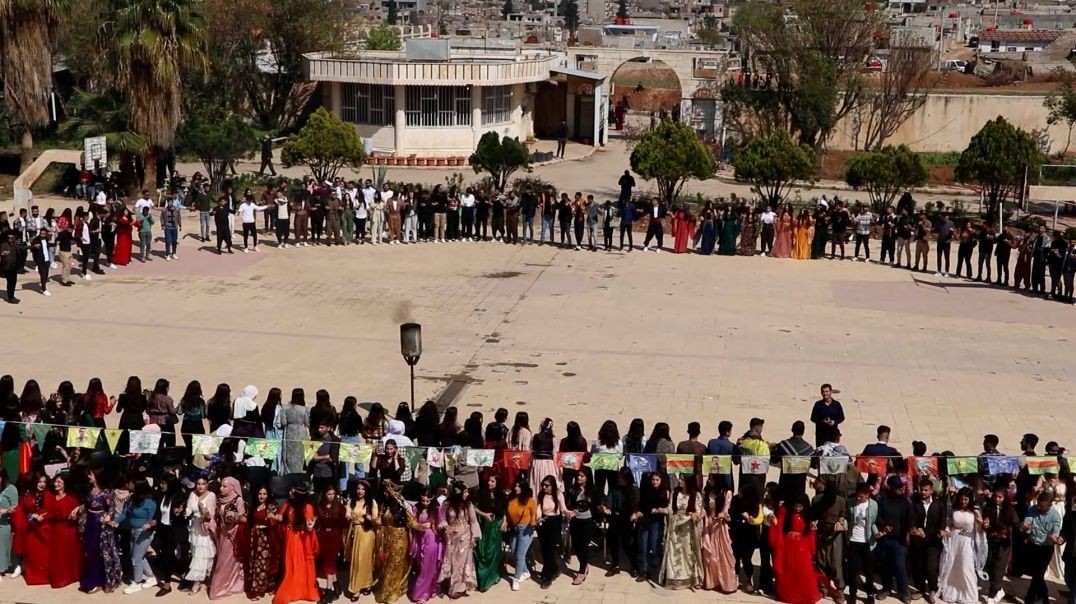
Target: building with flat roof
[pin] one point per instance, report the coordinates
(434, 101)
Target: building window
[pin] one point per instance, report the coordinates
(429, 106)
(496, 105)
(372, 104)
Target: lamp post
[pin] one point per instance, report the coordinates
(411, 349)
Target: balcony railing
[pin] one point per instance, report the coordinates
(462, 69)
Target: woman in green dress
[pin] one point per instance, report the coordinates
(730, 230)
(9, 502)
(391, 561)
(490, 505)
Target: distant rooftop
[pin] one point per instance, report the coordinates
(1020, 35)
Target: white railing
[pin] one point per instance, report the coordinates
(463, 69)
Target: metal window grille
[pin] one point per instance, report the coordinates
(429, 106)
(373, 104)
(496, 105)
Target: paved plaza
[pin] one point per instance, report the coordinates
(572, 335)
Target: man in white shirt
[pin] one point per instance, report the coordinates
(283, 217)
(369, 194)
(101, 199)
(467, 202)
(247, 214)
(860, 521)
(768, 218)
(143, 202)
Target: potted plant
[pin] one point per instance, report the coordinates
(420, 161)
(411, 161)
(442, 161)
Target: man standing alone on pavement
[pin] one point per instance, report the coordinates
(267, 156)
(627, 183)
(826, 415)
(562, 138)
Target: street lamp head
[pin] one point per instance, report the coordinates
(411, 342)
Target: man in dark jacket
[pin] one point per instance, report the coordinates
(792, 486)
(929, 516)
(9, 265)
(894, 525)
(999, 521)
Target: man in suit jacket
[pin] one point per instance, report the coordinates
(929, 517)
(882, 449)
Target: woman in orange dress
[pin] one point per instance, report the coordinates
(782, 240)
(300, 550)
(804, 234)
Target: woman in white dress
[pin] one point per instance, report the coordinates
(201, 506)
(964, 554)
(1056, 571)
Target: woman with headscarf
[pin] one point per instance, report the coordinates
(361, 540)
(461, 534)
(300, 549)
(246, 419)
(231, 515)
(295, 422)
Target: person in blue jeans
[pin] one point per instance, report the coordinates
(172, 223)
(520, 518)
(137, 518)
(650, 524)
(891, 550)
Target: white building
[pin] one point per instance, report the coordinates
(431, 101)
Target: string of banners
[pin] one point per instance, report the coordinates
(148, 442)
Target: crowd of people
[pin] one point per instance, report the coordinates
(344, 213)
(306, 524)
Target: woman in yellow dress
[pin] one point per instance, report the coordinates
(361, 540)
(390, 555)
(803, 235)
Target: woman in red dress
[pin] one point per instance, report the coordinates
(792, 539)
(332, 519)
(32, 533)
(683, 228)
(124, 240)
(65, 548)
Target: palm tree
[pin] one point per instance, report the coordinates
(25, 29)
(158, 41)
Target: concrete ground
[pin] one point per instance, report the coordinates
(571, 335)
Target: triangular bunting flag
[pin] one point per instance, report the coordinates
(262, 447)
(310, 448)
(112, 437)
(795, 464)
(679, 464)
(962, 465)
(753, 464)
(480, 458)
(1002, 464)
(1037, 466)
(206, 444)
(872, 465)
(923, 466)
(40, 431)
(144, 442)
(833, 465)
(570, 461)
(716, 464)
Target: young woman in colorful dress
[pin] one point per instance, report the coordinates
(231, 515)
(461, 534)
(427, 548)
(261, 558)
(300, 550)
(332, 520)
(361, 540)
(201, 511)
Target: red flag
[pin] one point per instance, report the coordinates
(517, 460)
(923, 466)
(872, 465)
(569, 460)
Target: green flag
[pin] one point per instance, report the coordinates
(605, 461)
(963, 465)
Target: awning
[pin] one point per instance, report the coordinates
(579, 73)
